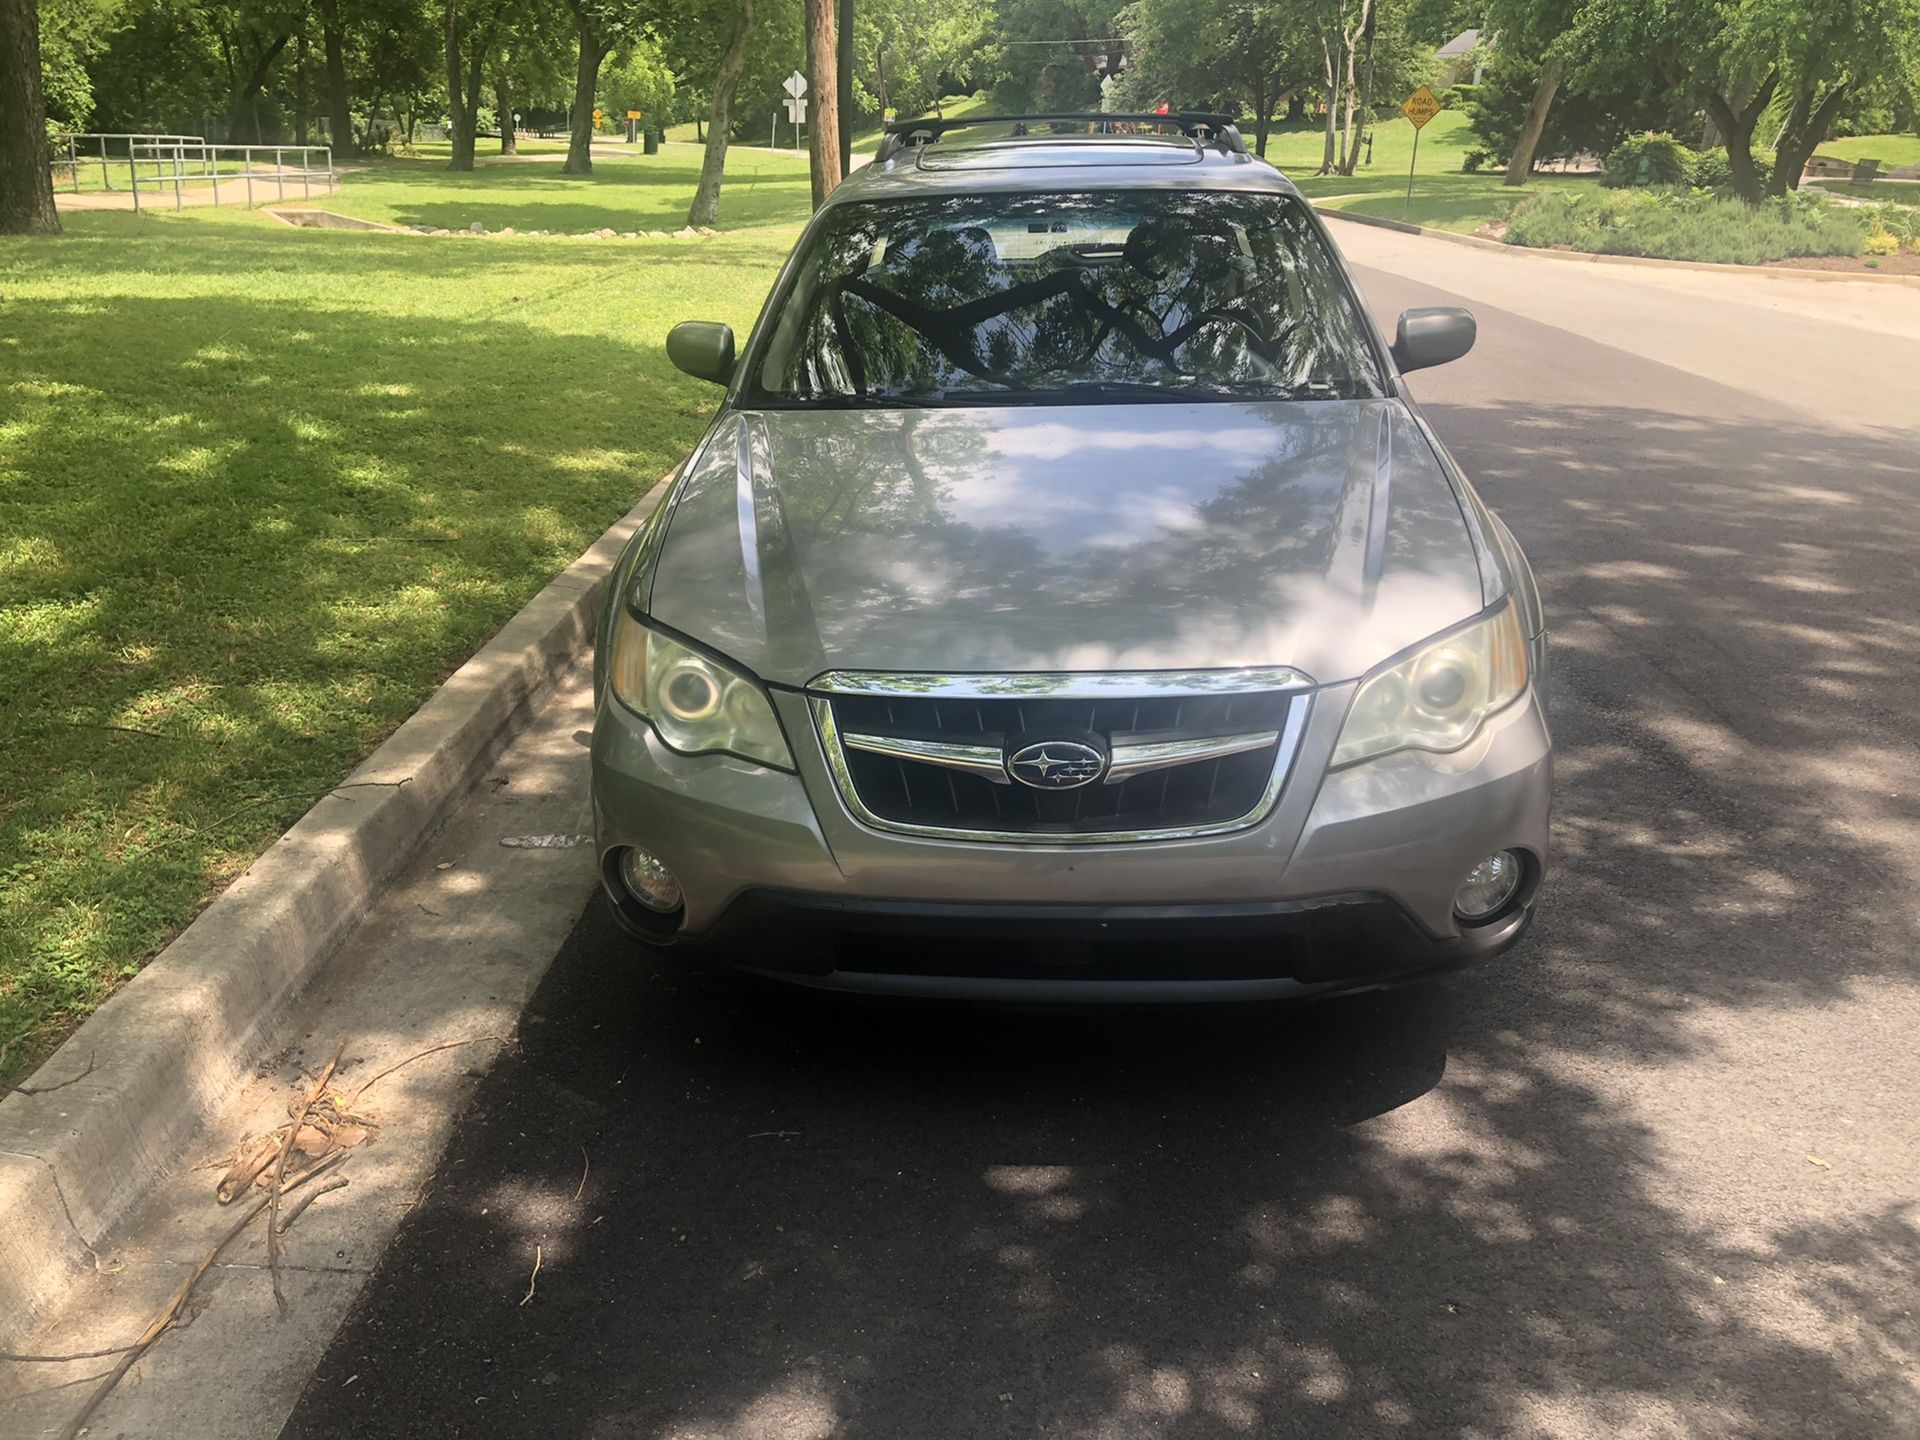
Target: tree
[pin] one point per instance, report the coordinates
(823, 90)
(469, 41)
(1740, 62)
(602, 26)
(905, 49)
(1053, 53)
(705, 209)
(1238, 58)
(528, 62)
(1823, 51)
(26, 168)
(333, 42)
(1538, 32)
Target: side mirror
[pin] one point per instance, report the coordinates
(704, 349)
(1432, 336)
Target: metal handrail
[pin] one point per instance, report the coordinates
(191, 159)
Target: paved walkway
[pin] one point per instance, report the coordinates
(269, 186)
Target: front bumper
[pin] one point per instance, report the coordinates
(1348, 882)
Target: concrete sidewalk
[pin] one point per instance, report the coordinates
(450, 954)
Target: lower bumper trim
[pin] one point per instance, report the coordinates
(1069, 953)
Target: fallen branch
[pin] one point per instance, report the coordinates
(172, 1308)
(117, 729)
(244, 1171)
(339, 1182)
(534, 1278)
(279, 1177)
(353, 1100)
(63, 1359)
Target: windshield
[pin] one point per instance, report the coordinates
(1176, 295)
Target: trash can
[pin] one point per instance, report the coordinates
(653, 141)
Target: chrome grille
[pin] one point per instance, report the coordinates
(1184, 754)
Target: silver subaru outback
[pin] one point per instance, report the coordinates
(1068, 601)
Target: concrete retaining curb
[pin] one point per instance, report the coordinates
(1762, 272)
(117, 1105)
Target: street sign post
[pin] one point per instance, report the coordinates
(796, 87)
(1419, 107)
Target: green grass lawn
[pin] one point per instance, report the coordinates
(1881, 192)
(625, 192)
(262, 489)
(1444, 196)
(1889, 150)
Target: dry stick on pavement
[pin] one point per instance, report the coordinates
(339, 1182)
(280, 1174)
(63, 1359)
(179, 1298)
(244, 1171)
(353, 1100)
(534, 1278)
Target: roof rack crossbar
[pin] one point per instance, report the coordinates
(1201, 128)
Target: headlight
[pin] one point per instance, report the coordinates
(1438, 697)
(696, 703)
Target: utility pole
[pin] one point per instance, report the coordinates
(846, 88)
(823, 84)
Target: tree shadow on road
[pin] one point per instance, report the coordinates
(1546, 1198)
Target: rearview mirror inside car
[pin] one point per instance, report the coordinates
(1432, 336)
(704, 349)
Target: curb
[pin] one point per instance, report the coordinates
(113, 1108)
(1581, 257)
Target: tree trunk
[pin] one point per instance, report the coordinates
(823, 90)
(459, 109)
(300, 86)
(705, 209)
(1807, 126)
(26, 167)
(245, 96)
(1349, 142)
(503, 108)
(1332, 73)
(339, 113)
(1369, 29)
(1262, 113)
(1520, 166)
(1736, 123)
(586, 80)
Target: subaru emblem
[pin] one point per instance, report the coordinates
(1056, 765)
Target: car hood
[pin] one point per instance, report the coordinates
(1317, 534)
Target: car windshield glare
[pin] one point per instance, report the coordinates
(1068, 298)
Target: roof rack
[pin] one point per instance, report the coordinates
(1201, 129)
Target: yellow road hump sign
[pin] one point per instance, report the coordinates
(1421, 106)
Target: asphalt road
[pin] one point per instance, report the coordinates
(1656, 1173)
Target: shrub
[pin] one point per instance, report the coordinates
(1712, 170)
(1902, 222)
(1882, 241)
(1648, 160)
(1682, 225)
(1577, 124)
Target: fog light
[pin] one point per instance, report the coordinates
(649, 881)
(1488, 886)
